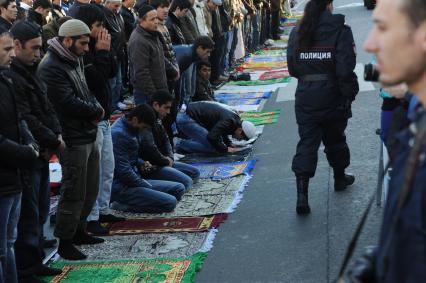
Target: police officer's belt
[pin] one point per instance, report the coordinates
(317, 78)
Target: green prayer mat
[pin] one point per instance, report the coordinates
(260, 82)
(261, 118)
(170, 270)
(269, 53)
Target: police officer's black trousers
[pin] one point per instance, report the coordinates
(332, 134)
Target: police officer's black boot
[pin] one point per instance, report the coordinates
(342, 180)
(302, 205)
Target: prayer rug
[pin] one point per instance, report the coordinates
(248, 95)
(115, 117)
(168, 270)
(261, 118)
(274, 75)
(263, 65)
(261, 82)
(266, 59)
(251, 88)
(270, 53)
(54, 201)
(151, 245)
(235, 102)
(207, 197)
(166, 225)
(218, 171)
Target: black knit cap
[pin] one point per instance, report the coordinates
(25, 30)
(144, 9)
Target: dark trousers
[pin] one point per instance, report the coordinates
(80, 185)
(332, 134)
(275, 24)
(34, 212)
(217, 57)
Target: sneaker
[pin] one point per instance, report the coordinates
(95, 228)
(83, 238)
(110, 218)
(122, 106)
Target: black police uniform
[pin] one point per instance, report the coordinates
(326, 87)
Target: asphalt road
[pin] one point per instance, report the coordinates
(264, 240)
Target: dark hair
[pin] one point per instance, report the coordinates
(415, 10)
(162, 97)
(203, 41)
(159, 3)
(6, 3)
(144, 113)
(45, 4)
(89, 14)
(309, 22)
(203, 63)
(182, 4)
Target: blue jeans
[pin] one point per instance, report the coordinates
(106, 171)
(140, 97)
(187, 85)
(116, 84)
(10, 206)
(35, 205)
(162, 197)
(196, 136)
(255, 21)
(180, 172)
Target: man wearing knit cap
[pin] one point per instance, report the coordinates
(41, 118)
(79, 112)
(146, 56)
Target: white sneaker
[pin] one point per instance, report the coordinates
(122, 106)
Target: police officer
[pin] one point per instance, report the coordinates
(321, 55)
(399, 42)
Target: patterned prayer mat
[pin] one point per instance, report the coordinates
(269, 53)
(168, 270)
(219, 171)
(261, 118)
(249, 95)
(151, 245)
(274, 75)
(235, 102)
(263, 65)
(266, 59)
(166, 225)
(261, 82)
(207, 197)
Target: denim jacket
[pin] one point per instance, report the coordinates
(125, 141)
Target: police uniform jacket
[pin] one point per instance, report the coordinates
(218, 119)
(325, 70)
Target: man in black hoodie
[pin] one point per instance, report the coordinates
(99, 67)
(8, 14)
(41, 118)
(39, 12)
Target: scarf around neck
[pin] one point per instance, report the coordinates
(57, 45)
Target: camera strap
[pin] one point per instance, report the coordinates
(411, 166)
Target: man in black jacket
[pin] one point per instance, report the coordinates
(115, 25)
(207, 125)
(39, 12)
(146, 57)
(178, 10)
(99, 66)
(16, 153)
(41, 118)
(79, 113)
(8, 14)
(156, 148)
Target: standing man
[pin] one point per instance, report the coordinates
(326, 89)
(146, 56)
(39, 12)
(8, 14)
(115, 25)
(16, 153)
(79, 112)
(41, 118)
(398, 40)
(75, 6)
(178, 10)
(99, 66)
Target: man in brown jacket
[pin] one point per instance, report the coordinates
(146, 56)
